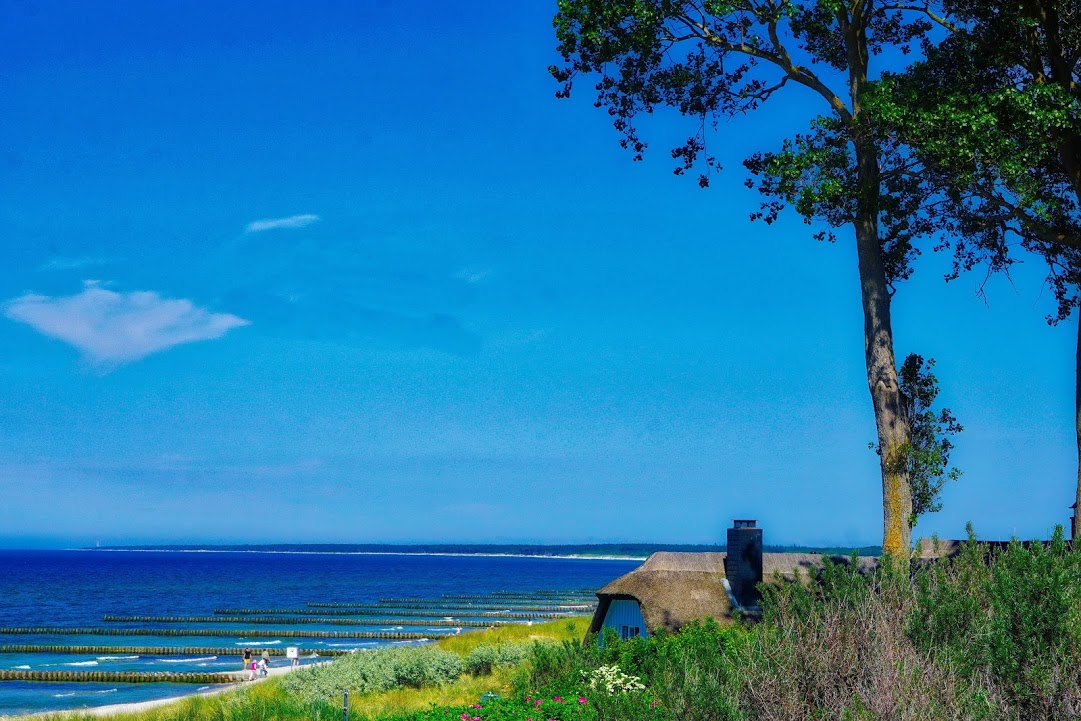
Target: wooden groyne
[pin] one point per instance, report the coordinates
(555, 598)
(365, 610)
(452, 606)
(460, 606)
(253, 633)
(501, 601)
(120, 676)
(290, 621)
(547, 592)
(161, 650)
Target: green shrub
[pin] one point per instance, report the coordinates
(567, 706)
(1011, 618)
(692, 675)
(838, 650)
(482, 659)
(379, 670)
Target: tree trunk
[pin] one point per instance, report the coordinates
(1075, 531)
(890, 418)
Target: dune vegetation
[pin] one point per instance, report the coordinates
(453, 671)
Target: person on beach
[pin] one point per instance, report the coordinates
(251, 671)
(263, 664)
(247, 658)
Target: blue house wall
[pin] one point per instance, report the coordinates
(624, 616)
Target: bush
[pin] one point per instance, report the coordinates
(482, 659)
(379, 670)
(568, 707)
(692, 675)
(837, 649)
(992, 634)
(1010, 619)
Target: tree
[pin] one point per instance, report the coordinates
(926, 457)
(710, 59)
(993, 122)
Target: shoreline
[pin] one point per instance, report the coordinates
(568, 557)
(139, 706)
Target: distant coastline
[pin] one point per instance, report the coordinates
(622, 551)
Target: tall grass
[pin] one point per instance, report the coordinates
(573, 628)
(989, 634)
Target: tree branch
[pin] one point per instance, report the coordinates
(778, 57)
(1031, 226)
(924, 10)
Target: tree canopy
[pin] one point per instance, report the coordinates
(711, 59)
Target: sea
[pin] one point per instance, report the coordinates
(77, 588)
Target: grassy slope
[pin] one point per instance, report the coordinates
(266, 701)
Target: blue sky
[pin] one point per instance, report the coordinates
(350, 272)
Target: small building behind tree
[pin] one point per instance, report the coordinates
(670, 590)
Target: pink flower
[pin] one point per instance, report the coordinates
(581, 699)
(529, 698)
(537, 702)
(653, 704)
(558, 699)
(476, 705)
(464, 716)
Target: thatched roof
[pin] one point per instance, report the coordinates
(799, 566)
(932, 549)
(672, 589)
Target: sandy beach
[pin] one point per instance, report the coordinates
(138, 706)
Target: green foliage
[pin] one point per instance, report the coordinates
(841, 585)
(690, 675)
(925, 458)
(569, 707)
(377, 670)
(483, 659)
(1012, 615)
(992, 120)
(994, 632)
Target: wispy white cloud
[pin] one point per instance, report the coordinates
(66, 263)
(293, 221)
(473, 274)
(110, 327)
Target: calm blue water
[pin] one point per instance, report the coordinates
(78, 588)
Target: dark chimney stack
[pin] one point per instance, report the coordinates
(743, 565)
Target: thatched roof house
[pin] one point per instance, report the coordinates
(667, 591)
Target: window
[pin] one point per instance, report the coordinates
(626, 632)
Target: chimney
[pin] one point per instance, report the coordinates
(743, 565)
